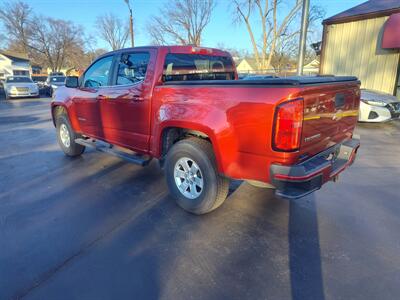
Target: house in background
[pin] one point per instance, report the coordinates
(250, 66)
(247, 65)
(13, 64)
(365, 41)
(312, 68)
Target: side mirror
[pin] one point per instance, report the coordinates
(72, 82)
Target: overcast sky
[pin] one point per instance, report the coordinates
(220, 30)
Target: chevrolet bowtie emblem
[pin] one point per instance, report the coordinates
(337, 116)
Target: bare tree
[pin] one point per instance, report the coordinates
(15, 17)
(286, 50)
(92, 51)
(284, 56)
(56, 42)
(235, 52)
(91, 55)
(277, 31)
(272, 26)
(181, 21)
(46, 41)
(112, 30)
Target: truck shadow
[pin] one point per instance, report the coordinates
(304, 251)
(303, 242)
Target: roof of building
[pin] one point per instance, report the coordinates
(313, 64)
(366, 10)
(15, 56)
(252, 62)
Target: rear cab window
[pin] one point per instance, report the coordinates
(182, 67)
(132, 68)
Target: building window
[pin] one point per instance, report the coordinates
(36, 70)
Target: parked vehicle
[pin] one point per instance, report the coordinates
(20, 86)
(378, 107)
(53, 82)
(242, 75)
(40, 80)
(259, 77)
(184, 106)
(56, 74)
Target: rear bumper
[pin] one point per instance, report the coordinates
(299, 180)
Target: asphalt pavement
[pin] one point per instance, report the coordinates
(96, 227)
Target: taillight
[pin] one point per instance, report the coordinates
(287, 126)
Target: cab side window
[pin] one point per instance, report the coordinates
(132, 68)
(98, 74)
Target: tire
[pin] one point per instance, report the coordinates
(7, 97)
(65, 133)
(195, 198)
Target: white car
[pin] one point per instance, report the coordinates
(20, 86)
(378, 107)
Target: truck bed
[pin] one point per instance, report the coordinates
(242, 113)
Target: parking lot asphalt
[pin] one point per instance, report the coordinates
(97, 227)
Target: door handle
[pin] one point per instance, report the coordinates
(102, 97)
(137, 98)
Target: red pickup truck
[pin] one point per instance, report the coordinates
(185, 106)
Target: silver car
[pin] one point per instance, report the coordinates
(20, 86)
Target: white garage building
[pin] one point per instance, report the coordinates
(13, 64)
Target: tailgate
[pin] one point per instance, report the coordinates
(330, 115)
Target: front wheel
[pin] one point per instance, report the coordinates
(193, 178)
(66, 137)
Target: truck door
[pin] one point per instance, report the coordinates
(125, 107)
(96, 82)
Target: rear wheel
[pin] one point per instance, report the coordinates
(66, 137)
(192, 176)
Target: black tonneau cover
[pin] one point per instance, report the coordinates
(291, 81)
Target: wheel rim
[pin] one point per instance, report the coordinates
(64, 135)
(188, 178)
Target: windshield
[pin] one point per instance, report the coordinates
(57, 79)
(18, 79)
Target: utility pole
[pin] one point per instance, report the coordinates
(303, 36)
(130, 23)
